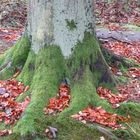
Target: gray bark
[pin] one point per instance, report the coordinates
(59, 22)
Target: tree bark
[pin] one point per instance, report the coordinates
(62, 23)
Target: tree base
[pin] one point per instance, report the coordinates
(14, 58)
(86, 70)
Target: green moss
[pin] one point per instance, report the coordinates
(16, 56)
(130, 62)
(48, 74)
(123, 134)
(6, 73)
(28, 70)
(133, 129)
(131, 108)
(2, 56)
(131, 133)
(109, 58)
(71, 24)
(44, 75)
(7, 55)
(84, 53)
(20, 52)
(44, 72)
(69, 129)
(88, 53)
(123, 68)
(83, 94)
(122, 79)
(27, 74)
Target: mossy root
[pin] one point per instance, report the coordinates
(14, 58)
(48, 74)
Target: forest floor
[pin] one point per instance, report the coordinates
(118, 32)
(118, 29)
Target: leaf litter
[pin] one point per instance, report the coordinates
(13, 15)
(127, 50)
(117, 12)
(10, 109)
(99, 115)
(59, 103)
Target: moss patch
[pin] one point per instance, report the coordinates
(88, 53)
(20, 52)
(71, 24)
(72, 130)
(28, 70)
(131, 108)
(16, 57)
(47, 76)
(44, 72)
(84, 93)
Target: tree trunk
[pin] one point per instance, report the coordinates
(65, 23)
(63, 44)
(62, 23)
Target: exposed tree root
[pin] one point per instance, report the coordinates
(123, 36)
(86, 69)
(117, 59)
(84, 93)
(48, 73)
(14, 58)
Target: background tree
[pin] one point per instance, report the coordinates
(59, 43)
